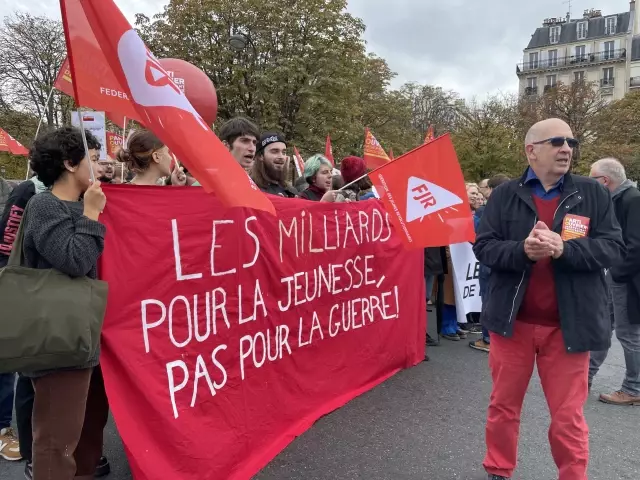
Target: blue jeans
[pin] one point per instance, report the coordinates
(7, 384)
(449, 320)
(485, 335)
(429, 279)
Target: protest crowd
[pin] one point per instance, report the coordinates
(552, 269)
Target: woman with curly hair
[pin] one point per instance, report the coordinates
(62, 232)
(150, 160)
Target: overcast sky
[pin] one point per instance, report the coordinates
(469, 46)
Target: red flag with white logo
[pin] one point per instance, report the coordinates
(426, 197)
(374, 154)
(299, 162)
(64, 83)
(113, 70)
(328, 151)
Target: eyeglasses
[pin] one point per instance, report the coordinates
(559, 142)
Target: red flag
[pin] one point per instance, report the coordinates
(64, 83)
(429, 137)
(426, 197)
(391, 153)
(114, 143)
(299, 162)
(4, 141)
(328, 151)
(374, 154)
(113, 70)
(16, 147)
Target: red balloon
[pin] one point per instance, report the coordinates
(197, 87)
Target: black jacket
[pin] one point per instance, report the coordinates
(627, 208)
(435, 261)
(579, 273)
(11, 216)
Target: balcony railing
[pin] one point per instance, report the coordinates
(607, 82)
(634, 82)
(573, 61)
(531, 91)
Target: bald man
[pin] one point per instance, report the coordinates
(547, 237)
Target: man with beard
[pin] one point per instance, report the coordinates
(270, 167)
(108, 170)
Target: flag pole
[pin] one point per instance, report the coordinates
(86, 147)
(355, 181)
(44, 112)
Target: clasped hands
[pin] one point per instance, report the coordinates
(543, 242)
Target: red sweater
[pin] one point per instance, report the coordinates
(540, 304)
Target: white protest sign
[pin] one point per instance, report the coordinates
(96, 124)
(466, 273)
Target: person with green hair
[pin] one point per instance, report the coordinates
(319, 175)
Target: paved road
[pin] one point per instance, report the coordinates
(427, 424)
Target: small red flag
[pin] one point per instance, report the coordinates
(374, 154)
(328, 151)
(429, 137)
(113, 70)
(4, 141)
(426, 197)
(299, 162)
(11, 145)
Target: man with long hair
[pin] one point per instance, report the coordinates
(270, 167)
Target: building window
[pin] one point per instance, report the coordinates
(551, 80)
(532, 86)
(578, 77)
(583, 30)
(607, 77)
(608, 50)
(581, 51)
(554, 34)
(533, 61)
(553, 58)
(610, 25)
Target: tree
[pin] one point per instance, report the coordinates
(433, 106)
(615, 134)
(32, 50)
(577, 103)
(487, 139)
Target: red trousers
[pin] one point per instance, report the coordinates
(564, 381)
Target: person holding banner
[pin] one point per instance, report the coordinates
(318, 174)
(547, 238)
(150, 160)
(70, 408)
(269, 169)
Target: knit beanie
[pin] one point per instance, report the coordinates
(352, 168)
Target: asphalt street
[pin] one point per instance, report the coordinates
(427, 423)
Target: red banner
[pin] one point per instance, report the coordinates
(230, 332)
(4, 141)
(114, 143)
(426, 192)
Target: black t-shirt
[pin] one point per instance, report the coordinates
(11, 217)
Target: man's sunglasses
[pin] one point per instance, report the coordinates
(559, 142)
